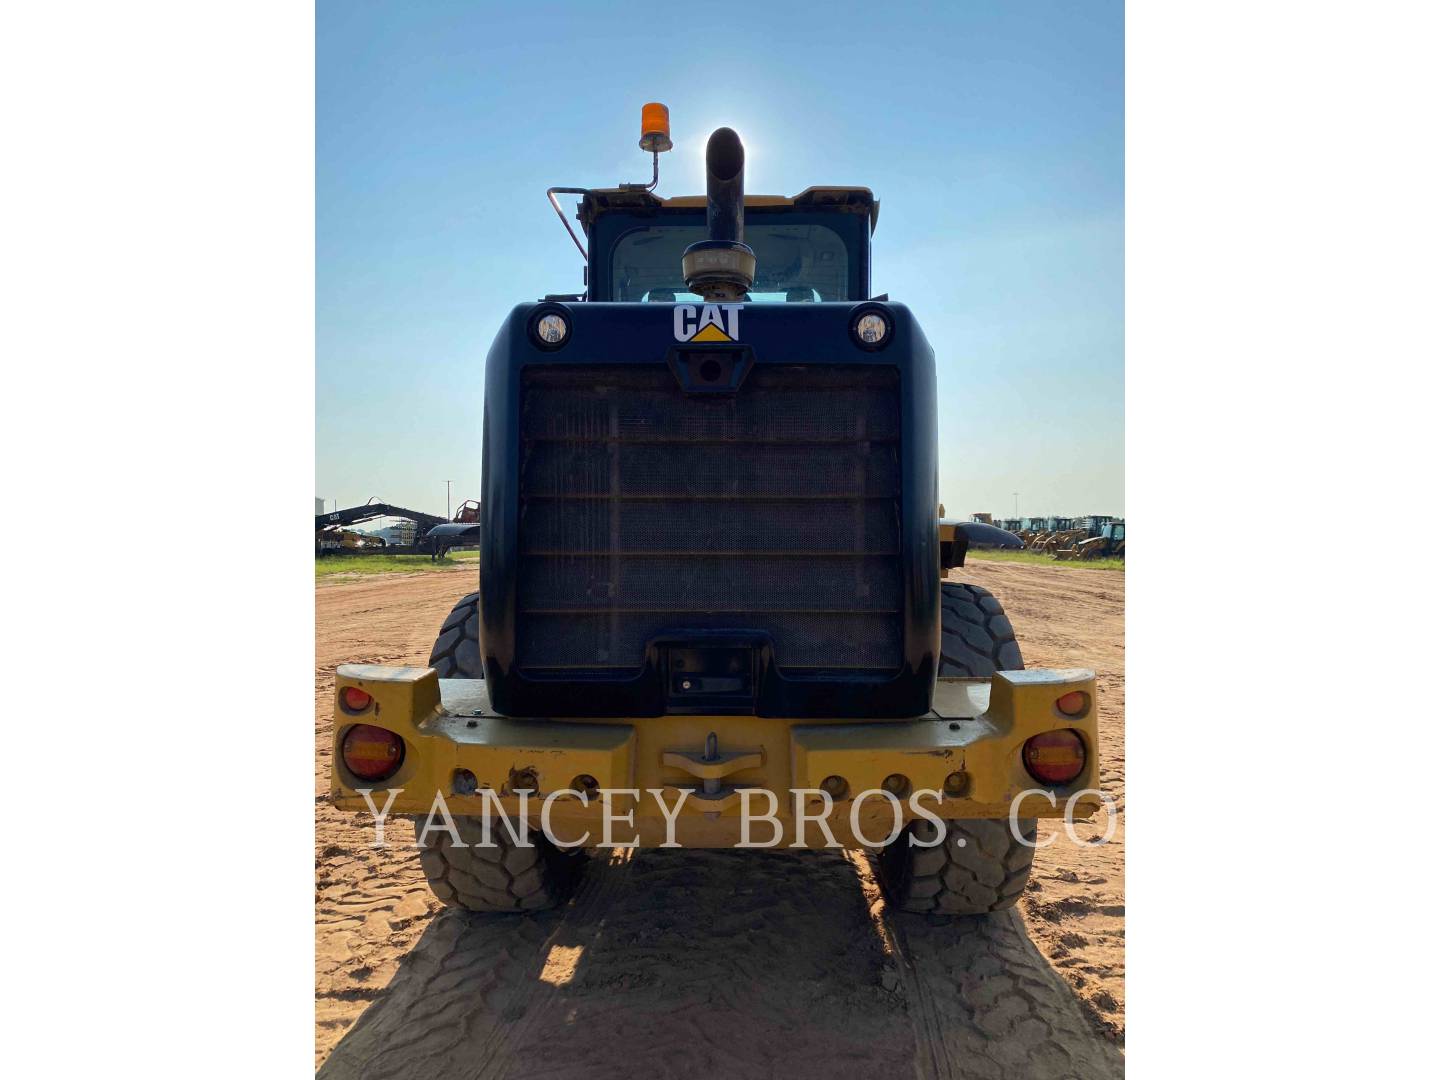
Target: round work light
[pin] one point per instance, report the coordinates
(552, 329)
(871, 330)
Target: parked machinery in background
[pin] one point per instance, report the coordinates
(1070, 538)
(461, 531)
(371, 510)
(336, 540)
(1108, 544)
(1050, 533)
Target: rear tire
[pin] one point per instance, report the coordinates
(976, 638)
(456, 653)
(500, 878)
(987, 873)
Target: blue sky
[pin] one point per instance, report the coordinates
(993, 134)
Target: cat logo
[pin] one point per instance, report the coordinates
(715, 322)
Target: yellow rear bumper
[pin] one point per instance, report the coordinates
(967, 752)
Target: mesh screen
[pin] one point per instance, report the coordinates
(645, 511)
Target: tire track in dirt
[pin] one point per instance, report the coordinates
(474, 984)
(606, 875)
(752, 963)
(756, 963)
(999, 1008)
(984, 1003)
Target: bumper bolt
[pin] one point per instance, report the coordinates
(835, 786)
(896, 784)
(956, 783)
(522, 780)
(585, 784)
(464, 782)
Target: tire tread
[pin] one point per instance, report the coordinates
(500, 878)
(976, 638)
(456, 652)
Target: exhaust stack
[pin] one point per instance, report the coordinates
(722, 268)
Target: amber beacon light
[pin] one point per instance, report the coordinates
(654, 128)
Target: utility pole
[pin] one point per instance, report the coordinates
(447, 498)
(1017, 502)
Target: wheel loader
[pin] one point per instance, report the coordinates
(713, 606)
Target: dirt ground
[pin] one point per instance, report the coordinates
(752, 962)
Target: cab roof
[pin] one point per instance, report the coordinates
(851, 200)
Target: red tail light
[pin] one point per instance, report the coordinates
(354, 699)
(1074, 703)
(1054, 757)
(372, 753)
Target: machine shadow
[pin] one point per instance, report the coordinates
(758, 963)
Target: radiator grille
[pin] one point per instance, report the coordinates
(645, 511)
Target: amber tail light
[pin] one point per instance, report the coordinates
(1054, 757)
(372, 753)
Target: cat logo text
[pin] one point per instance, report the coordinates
(711, 322)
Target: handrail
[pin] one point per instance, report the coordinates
(550, 194)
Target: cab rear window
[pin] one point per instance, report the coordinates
(795, 263)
